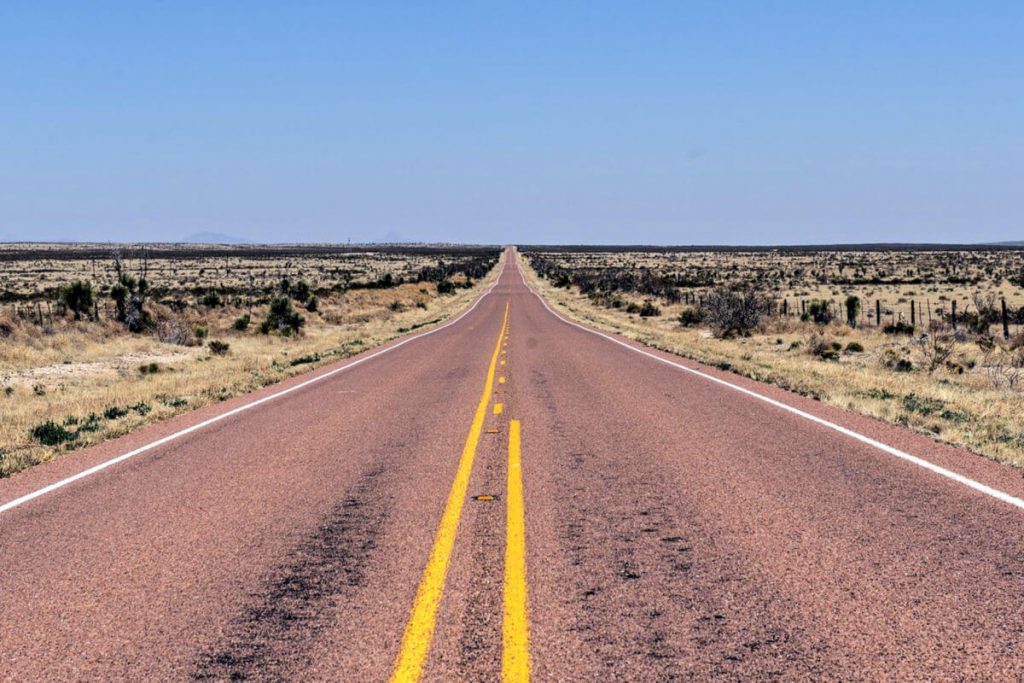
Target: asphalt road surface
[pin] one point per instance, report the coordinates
(513, 496)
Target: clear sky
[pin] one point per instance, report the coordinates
(558, 121)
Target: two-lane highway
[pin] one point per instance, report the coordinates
(508, 496)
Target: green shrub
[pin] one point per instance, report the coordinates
(211, 300)
(149, 369)
(899, 327)
(880, 394)
(313, 305)
(142, 408)
(690, 317)
(200, 331)
(302, 360)
(854, 347)
(50, 433)
(242, 322)
(282, 317)
(114, 412)
(733, 313)
(922, 405)
(302, 292)
(91, 424)
(894, 360)
(78, 297)
(649, 310)
(818, 311)
(820, 347)
(446, 286)
(218, 348)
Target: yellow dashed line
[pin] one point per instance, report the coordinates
(499, 408)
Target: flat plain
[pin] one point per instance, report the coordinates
(206, 329)
(934, 342)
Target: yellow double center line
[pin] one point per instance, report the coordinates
(419, 631)
(515, 636)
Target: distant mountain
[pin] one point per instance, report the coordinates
(214, 238)
(1017, 243)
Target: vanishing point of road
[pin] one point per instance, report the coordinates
(513, 496)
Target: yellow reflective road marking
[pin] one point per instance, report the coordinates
(515, 636)
(419, 631)
(501, 380)
(498, 408)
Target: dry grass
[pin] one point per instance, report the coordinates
(94, 380)
(958, 405)
(931, 279)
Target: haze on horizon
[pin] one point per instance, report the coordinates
(595, 122)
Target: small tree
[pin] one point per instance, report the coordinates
(282, 317)
(78, 297)
(302, 292)
(852, 310)
(129, 295)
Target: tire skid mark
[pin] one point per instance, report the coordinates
(269, 640)
(645, 587)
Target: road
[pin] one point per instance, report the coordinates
(514, 496)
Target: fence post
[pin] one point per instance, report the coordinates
(954, 314)
(878, 313)
(1006, 321)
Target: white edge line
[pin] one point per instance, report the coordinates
(234, 411)
(937, 469)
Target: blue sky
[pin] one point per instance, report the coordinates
(599, 122)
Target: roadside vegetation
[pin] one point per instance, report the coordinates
(929, 339)
(93, 347)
